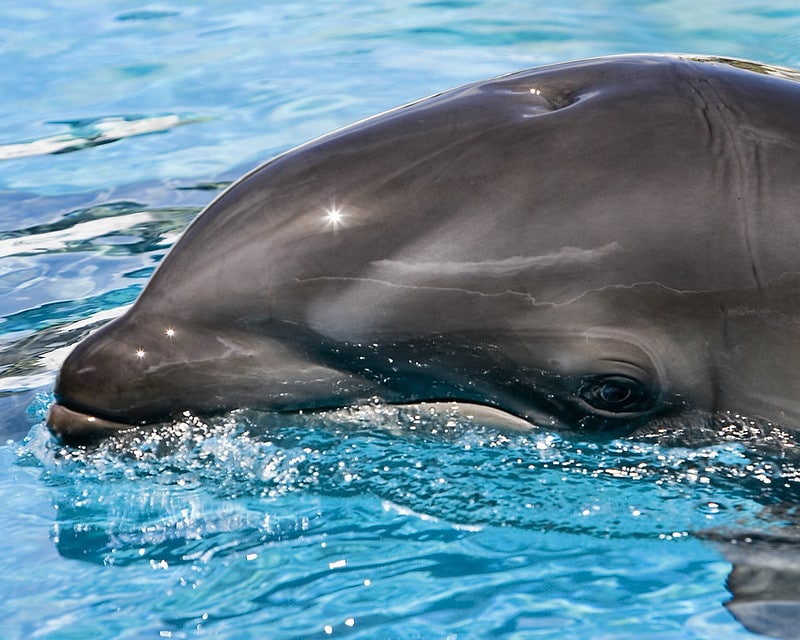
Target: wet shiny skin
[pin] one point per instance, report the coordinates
(594, 244)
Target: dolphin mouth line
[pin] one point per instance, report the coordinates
(76, 427)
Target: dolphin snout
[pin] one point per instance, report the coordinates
(89, 379)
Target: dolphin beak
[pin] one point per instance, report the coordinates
(74, 427)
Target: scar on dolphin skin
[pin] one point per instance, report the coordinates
(566, 256)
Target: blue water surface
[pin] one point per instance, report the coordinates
(120, 121)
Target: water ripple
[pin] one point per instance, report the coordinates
(92, 132)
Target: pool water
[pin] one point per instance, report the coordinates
(120, 122)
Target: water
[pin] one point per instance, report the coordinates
(367, 523)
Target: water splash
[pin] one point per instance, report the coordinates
(199, 487)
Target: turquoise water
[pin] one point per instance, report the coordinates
(120, 121)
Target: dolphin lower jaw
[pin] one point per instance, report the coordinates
(81, 428)
(75, 419)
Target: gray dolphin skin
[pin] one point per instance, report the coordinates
(595, 245)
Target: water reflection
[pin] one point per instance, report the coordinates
(92, 132)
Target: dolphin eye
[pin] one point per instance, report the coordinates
(615, 394)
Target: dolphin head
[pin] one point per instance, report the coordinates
(596, 245)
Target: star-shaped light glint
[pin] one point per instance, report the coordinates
(334, 216)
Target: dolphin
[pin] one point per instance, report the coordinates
(598, 245)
